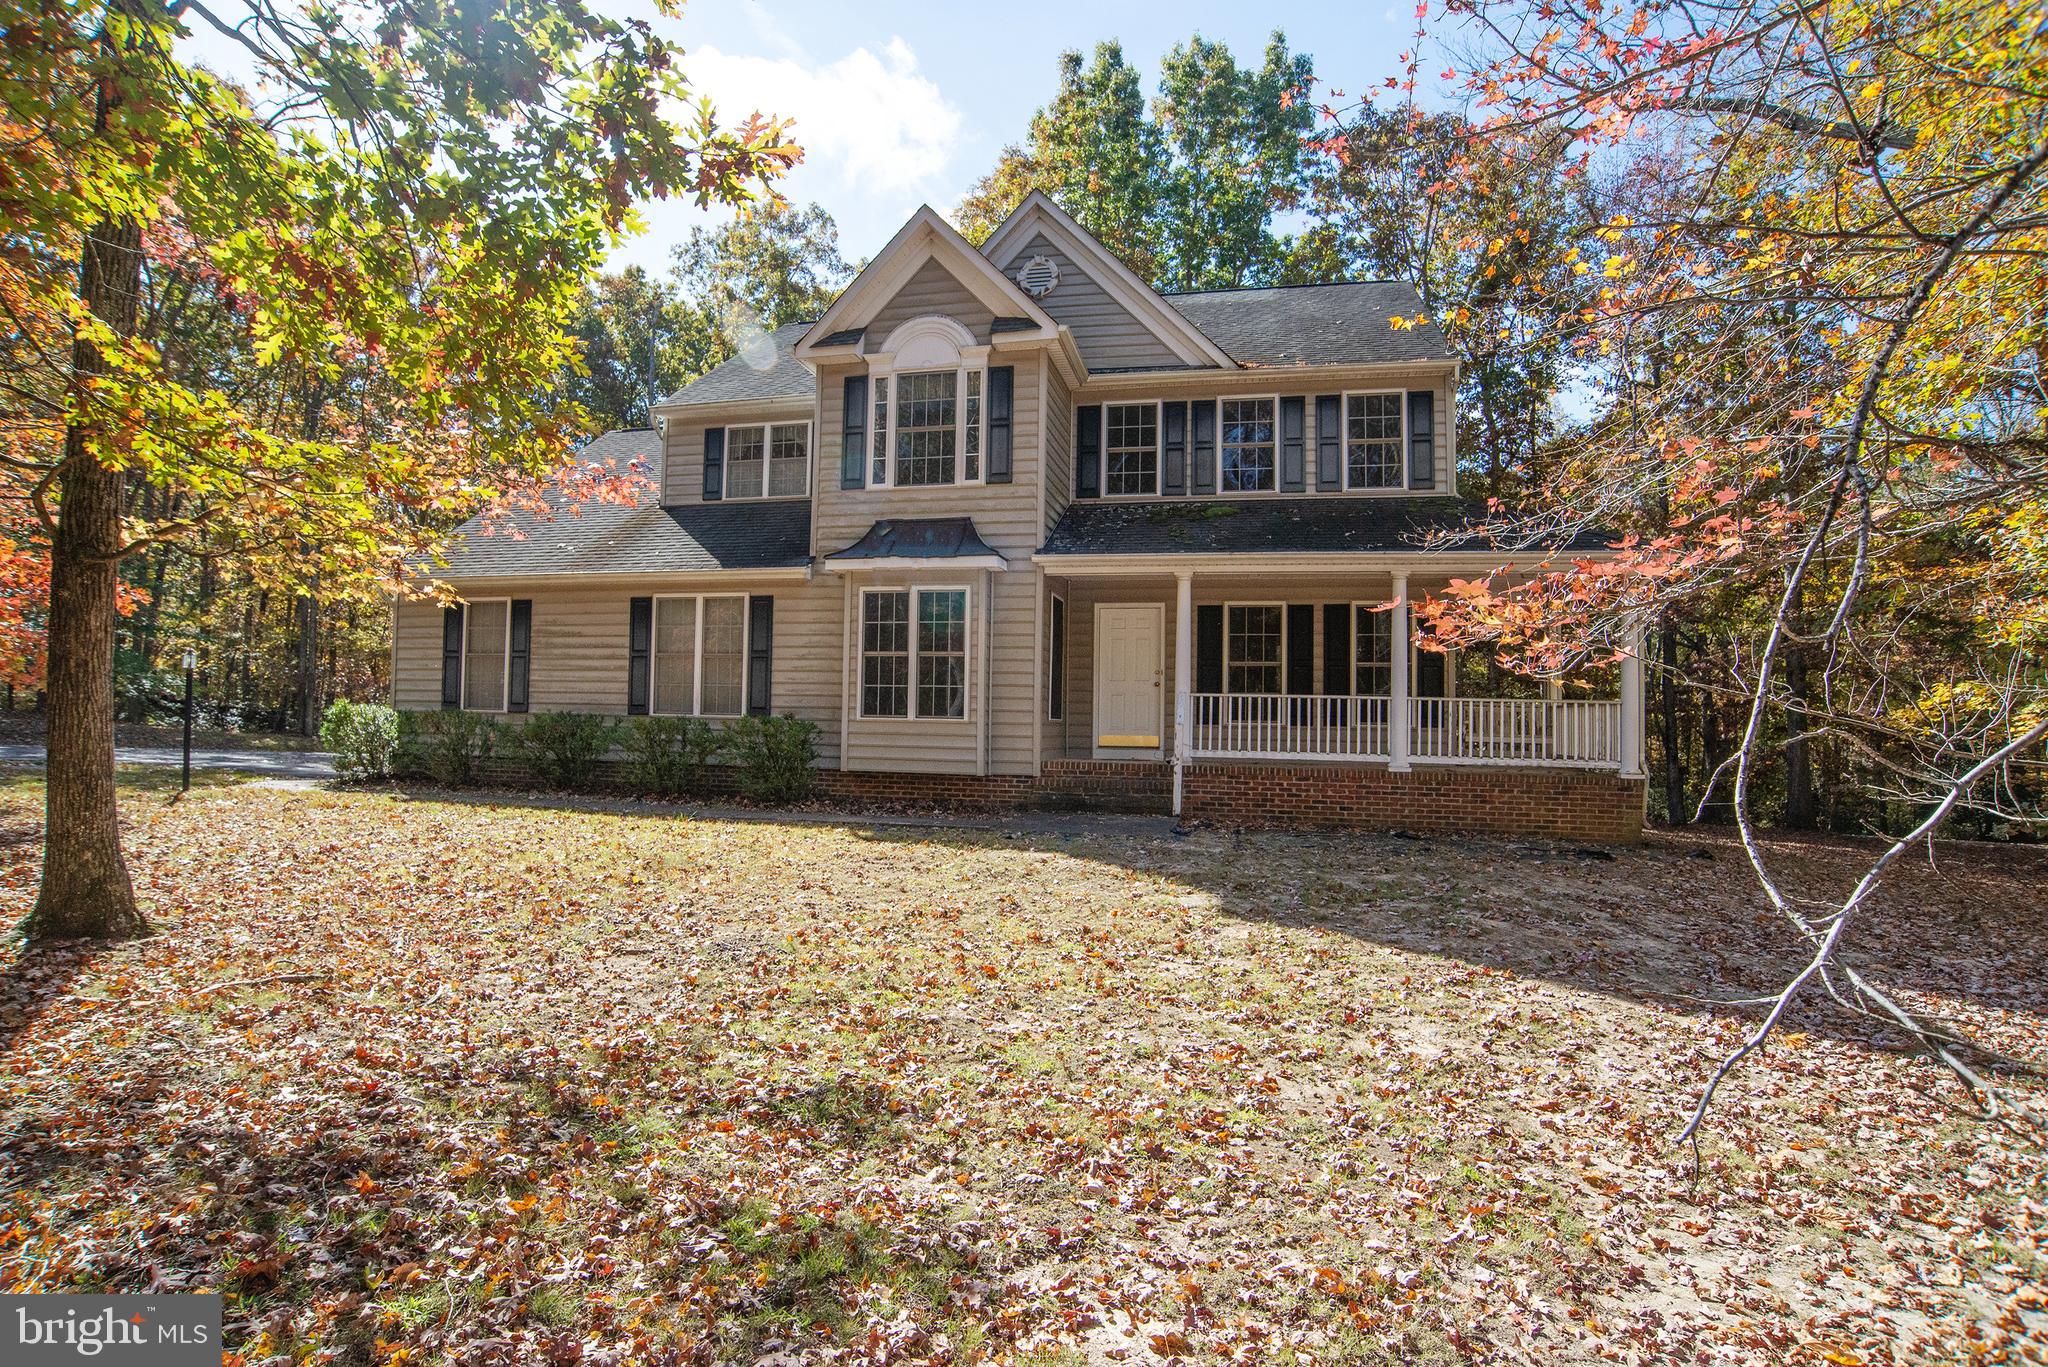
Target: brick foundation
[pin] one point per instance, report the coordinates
(1559, 804)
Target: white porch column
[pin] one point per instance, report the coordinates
(1398, 720)
(1632, 706)
(1183, 674)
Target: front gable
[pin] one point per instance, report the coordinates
(1117, 320)
(927, 268)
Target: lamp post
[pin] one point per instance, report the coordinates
(191, 663)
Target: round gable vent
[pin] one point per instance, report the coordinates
(1039, 277)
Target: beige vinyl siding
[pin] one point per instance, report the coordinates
(1083, 594)
(1279, 383)
(682, 447)
(1059, 446)
(581, 653)
(416, 655)
(931, 289)
(1108, 336)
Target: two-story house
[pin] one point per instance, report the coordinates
(1008, 524)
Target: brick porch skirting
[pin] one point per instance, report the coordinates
(1560, 804)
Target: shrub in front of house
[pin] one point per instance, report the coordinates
(447, 746)
(776, 756)
(363, 737)
(671, 754)
(561, 749)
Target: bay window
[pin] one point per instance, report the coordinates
(700, 655)
(913, 653)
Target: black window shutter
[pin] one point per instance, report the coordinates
(1330, 444)
(1056, 664)
(853, 440)
(1429, 673)
(1002, 387)
(1173, 480)
(1337, 649)
(714, 463)
(639, 647)
(1422, 439)
(1293, 444)
(1209, 648)
(760, 654)
(451, 656)
(1202, 418)
(1088, 451)
(1301, 647)
(518, 654)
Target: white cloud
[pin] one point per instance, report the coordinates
(868, 122)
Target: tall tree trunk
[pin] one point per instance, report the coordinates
(1674, 757)
(1801, 811)
(309, 663)
(85, 889)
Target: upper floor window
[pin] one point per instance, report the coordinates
(1247, 446)
(1130, 433)
(1372, 442)
(929, 428)
(772, 460)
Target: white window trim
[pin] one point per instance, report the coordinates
(696, 656)
(1254, 603)
(1344, 441)
(1056, 685)
(1158, 448)
(767, 428)
(1374, 607)
(887, 432)
(1273, 399)
(860, 653)
(505, 683)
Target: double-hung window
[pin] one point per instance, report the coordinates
(1247, 445)
(913, 653)
(929, 428)
(1373, 440)
(1253, 647)
(772, 460)
(486, 653)
(1130, 449)
(700, 655)
(1372, 653)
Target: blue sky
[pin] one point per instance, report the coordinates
(900, 104)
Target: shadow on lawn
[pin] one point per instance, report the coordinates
(1678, 921)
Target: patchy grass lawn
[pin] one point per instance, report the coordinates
(420, 1080)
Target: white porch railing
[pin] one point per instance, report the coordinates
(1499, 731)
(1517, 731)
(1291, 726)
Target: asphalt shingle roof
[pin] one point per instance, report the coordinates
(1294, 325)
(755, 376)
(644, 538)
(1321, 524)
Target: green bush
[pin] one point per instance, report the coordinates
(446, 746)
(670, 754)
(561, 749)
(363, 737)
(776, 757)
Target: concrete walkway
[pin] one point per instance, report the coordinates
(270, 763)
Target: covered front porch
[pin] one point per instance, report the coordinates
(1185, 667)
